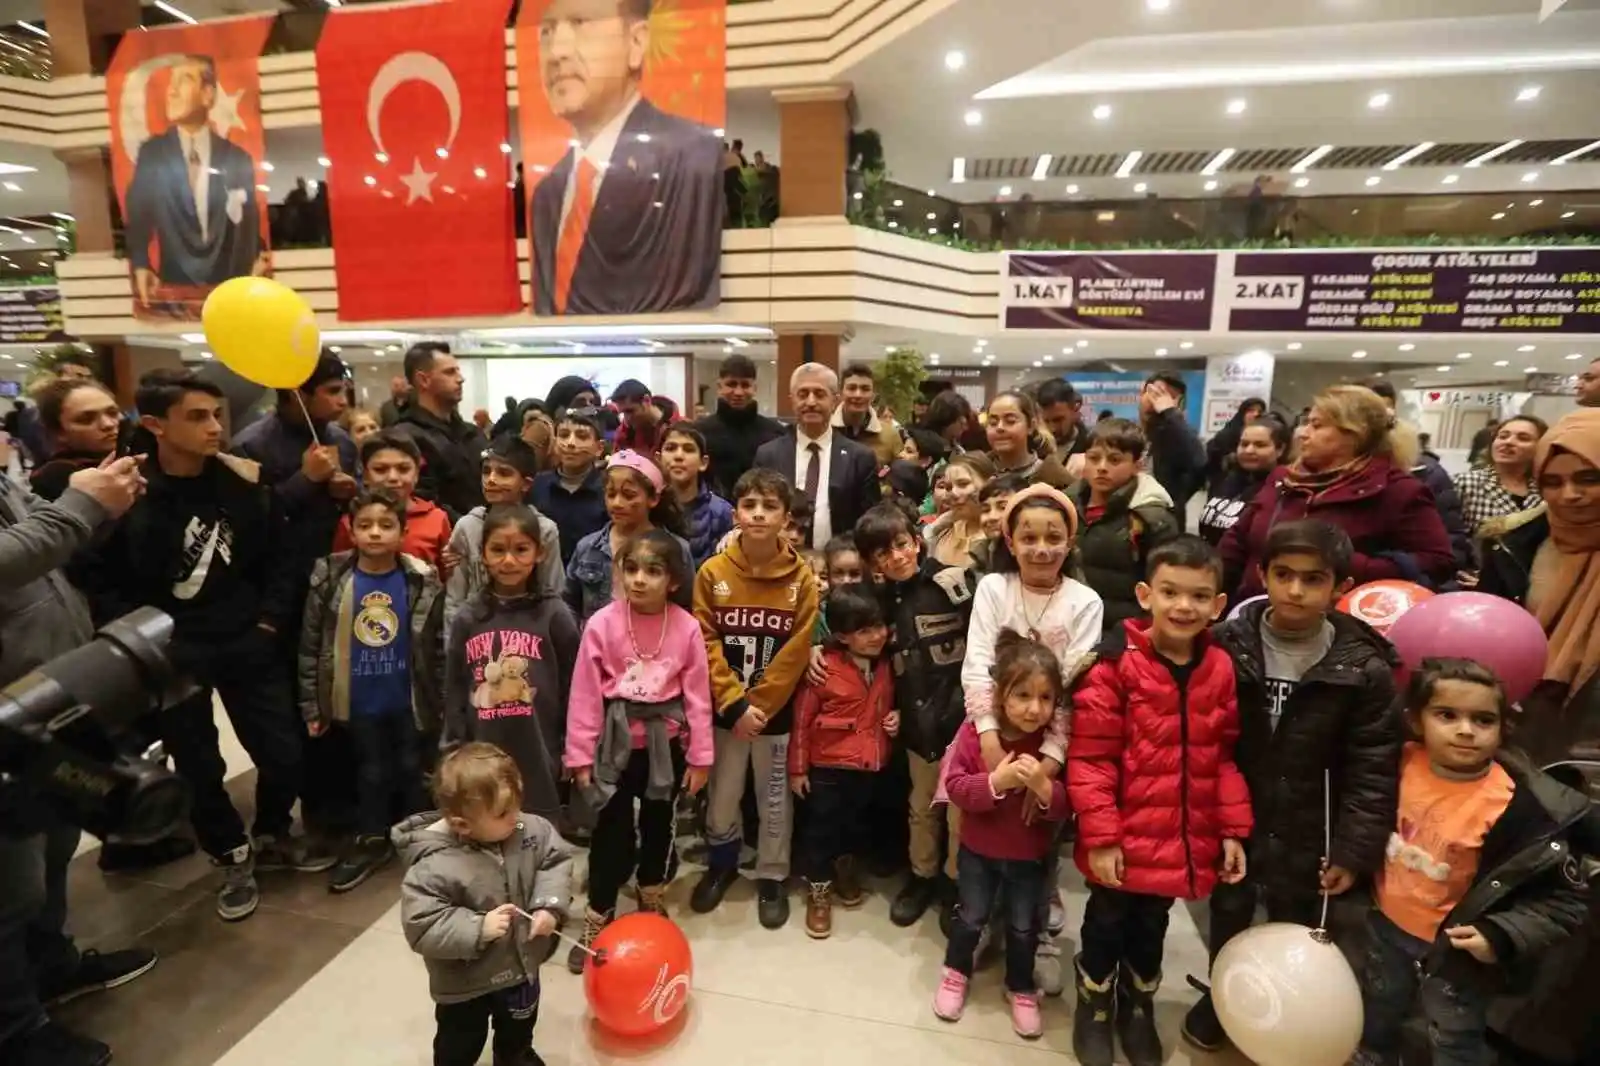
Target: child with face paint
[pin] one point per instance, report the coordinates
(1030, 591)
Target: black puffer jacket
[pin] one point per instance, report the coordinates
(1431, 473)
(1341, 718)
(1113, 548)
(1507, 545)
(928, 617)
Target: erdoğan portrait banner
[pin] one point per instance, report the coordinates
(621, 105)
(186, 150)
(415, 126)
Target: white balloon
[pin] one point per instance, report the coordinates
(1287, 998)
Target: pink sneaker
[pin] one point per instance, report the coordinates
(1025, 1020)
(951, 999)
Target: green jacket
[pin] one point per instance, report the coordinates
(1531, 891)
(323, 665)
(1113, 548)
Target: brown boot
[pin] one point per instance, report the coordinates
(653, 899)
(819, 910)
(847, 883)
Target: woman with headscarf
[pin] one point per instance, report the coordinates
(1346, 474)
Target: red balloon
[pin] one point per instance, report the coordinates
(1381, 603)
(1478, 626)
(641, 980)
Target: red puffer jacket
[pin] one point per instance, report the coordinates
(1150, 764)
(840, 722)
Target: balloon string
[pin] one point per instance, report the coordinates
(580, 945)
(1327, 840)
(310, 425)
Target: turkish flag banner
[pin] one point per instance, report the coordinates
(186, 155)
(414, 125)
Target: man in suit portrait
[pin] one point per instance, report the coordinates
(630, 219)
(194, 193)
(839, 475)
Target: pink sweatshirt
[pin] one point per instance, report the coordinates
(610, 666)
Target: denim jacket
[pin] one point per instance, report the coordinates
(589, 577)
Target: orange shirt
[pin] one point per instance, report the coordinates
(1433, 853)
(426, 535)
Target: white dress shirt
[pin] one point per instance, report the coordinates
(200, 143)
(822, 522)
(598, 152)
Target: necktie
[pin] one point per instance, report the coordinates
(194, 169)
(574, 230)
(813, 475)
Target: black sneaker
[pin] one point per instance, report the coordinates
(239, 896)
(121, 858)
(98, 971)
(305, 854)
(772, 906)
(710, 889)
(366, 857)
(913, 900)
(52, 1045)
(1201, 1027)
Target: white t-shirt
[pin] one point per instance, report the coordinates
(1067, 622)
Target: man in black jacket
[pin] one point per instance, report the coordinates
(735, 429)
(204, 545)
(1177, 460)
(452, 448)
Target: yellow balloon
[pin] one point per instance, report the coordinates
(263, 331)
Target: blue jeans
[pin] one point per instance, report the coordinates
(388, 765)
(1017, 885)
(1456, 1014)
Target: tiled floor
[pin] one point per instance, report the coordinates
(314, 978)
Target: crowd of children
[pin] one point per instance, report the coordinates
(1032, 657)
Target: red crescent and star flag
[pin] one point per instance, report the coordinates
(415, 124)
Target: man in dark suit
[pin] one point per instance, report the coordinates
(839, 475)
(630, 219)
(193, 192)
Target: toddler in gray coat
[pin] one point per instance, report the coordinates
(474, 868)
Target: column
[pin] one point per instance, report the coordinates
(813, 143)
(84, 33)
(797, 349)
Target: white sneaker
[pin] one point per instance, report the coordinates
(1047, 968)
(1056, 920)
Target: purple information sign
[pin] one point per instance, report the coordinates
(1496, 290)
(1115, 290)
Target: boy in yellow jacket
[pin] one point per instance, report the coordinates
(756, 602)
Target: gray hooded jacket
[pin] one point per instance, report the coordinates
(451, 883)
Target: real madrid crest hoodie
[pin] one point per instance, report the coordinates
(757, 621)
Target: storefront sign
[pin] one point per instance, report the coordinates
(1231, 380)
(1484, 291)
(31, 315)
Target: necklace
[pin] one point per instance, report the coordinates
(1033, 623)
(638, 653)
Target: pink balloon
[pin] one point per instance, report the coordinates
(1475, 625)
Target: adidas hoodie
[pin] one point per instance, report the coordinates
(757, 622)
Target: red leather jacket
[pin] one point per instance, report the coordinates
(840, 722)
(1150, 764)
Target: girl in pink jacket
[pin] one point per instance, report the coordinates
(638, 727)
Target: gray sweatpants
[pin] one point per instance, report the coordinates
(768, 758)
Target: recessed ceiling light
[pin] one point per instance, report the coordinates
(1502, 362)
(1211, 186)
(858, 194)
(1237, 107)
(980, 342)
(1527, 347)
(933, 229)
(1450, 179)
(973, 117)
(1083, 344)
(1186, 345)
(1498, 215)
(1358, 355)
(1528, 92)
(1463, 355)
(1443, 368)
(1293, 346)
(1072, 190)
(1530, 370)
(1532, 175)
(1037, 363)
(932, 216)
(1049, 358)
(1378, 101)
(1575, 355)
(1568, 214)
(324, 161)
(1161, 351)
(893, 224)
(932, 193)
(1374, 180)
(1102, 112)
(1535, 203)
(955, 60)
(1301, 183)
(1141, 187)
(1157, 5)
(899, 203)
(1407, 347)
(1005, 190)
